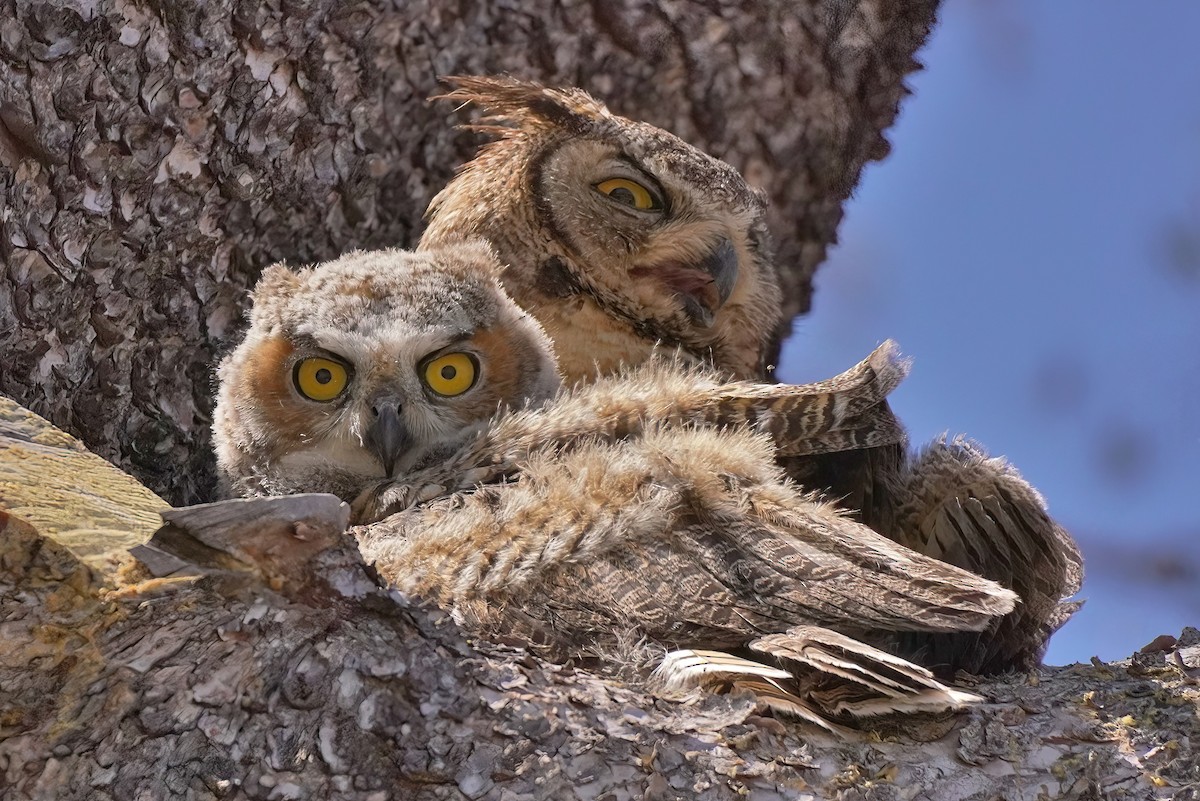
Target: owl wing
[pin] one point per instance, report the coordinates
(846, 412)
(687, 538)
(688, 535)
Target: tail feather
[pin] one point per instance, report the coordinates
(840, 656)
(964, 508)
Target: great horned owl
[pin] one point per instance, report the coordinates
(618, 235)
(639, 508)
(370, 365)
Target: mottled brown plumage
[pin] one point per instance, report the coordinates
(959, 505)
(684, 537)
(605, 281)
(643, 507)
(618, 236)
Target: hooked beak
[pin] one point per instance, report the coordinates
(703, 286)
(722, 265)
(388, 438)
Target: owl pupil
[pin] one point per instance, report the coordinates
(448, 372)
(323, 376)
(623, 195)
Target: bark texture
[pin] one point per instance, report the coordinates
(154, 157)
(267, 662)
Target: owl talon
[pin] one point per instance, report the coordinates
(362, 508)
(379, 500)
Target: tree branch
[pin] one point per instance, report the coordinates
(270, 663)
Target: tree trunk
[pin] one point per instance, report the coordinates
(154, 157)
(269, 663)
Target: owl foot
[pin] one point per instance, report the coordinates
(386, 498)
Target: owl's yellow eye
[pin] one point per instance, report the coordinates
(629, 193)
(320, 379)
(451, 374)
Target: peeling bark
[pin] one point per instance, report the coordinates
(155, 157)
(268, 662)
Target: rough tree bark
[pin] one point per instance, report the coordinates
(270, 664)
(155, 156)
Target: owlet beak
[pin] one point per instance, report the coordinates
(388, 438)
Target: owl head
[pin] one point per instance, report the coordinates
(619, 234)
(370, 366)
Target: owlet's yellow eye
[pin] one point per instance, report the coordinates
(451, 374)
(629, 193)
(320, 379)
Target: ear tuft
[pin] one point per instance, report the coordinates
(513, 105)
(276, 285)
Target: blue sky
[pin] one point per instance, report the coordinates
(1033, 242)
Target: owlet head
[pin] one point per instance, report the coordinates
(367, 366)
(666, 240)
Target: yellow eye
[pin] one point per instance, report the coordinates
(629, 193)
(452, 374)
(320, 379)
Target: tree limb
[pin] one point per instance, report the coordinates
(270, 663)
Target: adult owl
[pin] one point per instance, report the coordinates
(644, 507)
(618, 235)
(620, 238)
